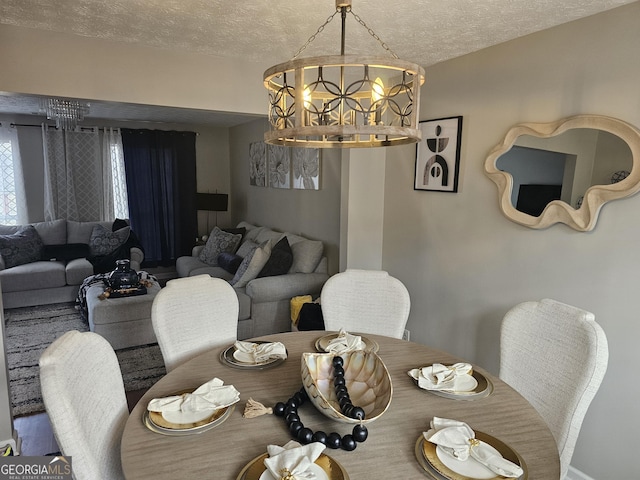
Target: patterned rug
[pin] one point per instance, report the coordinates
(30, 330)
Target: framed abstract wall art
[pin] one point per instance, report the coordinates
(438, 155)
(306, 168)
(258, 164)
(279, 166)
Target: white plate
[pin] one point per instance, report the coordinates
(244, 357)
(315, 468)
(463, 383)
(469, 468)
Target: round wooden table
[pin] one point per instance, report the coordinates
(389, 452)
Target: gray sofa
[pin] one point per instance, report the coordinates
(58, 277)
(265, 302)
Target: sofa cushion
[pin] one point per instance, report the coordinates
(216, 272)
(65, 252)
(251, 265)
(280, 260)
(246, 248)
(306, 255)
(267, 234)
(33, 276)
(103, 241)
(219, 241)
(24, 246)
(77, 270)
(229, 261)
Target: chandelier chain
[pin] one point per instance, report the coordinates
(372, 33)
(313, 37)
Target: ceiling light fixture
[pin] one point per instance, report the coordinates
(344, 101)
(66, 113)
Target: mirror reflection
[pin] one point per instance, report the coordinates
(563, 167)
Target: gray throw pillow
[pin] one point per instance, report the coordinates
(24, 246)
(251, 265)
(218, 242)
(103, 241)
(306, 256)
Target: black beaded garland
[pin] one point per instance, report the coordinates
(289, 411)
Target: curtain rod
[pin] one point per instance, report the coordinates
(81, 128)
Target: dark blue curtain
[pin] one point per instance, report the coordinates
(160, 167)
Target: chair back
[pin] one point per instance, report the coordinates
(365, 301)
(555, 355)
(84, 396)
(193, 314)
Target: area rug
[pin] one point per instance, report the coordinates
(30, 330)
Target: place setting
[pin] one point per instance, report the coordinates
(256, 355)
(452, 450)
(343, 342)
(458, 381)
(191, 411)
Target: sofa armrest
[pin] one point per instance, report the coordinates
(284, 287)
(195, 251)
(2, 265)
(136, 255)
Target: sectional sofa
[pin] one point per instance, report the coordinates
(49, 266)
(254, 266)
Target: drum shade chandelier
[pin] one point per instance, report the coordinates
(344, 101)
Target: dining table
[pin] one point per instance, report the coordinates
(389, 451)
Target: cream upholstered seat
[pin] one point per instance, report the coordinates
(193, 314)
(365, 301)
(554, 355)
(84, 396)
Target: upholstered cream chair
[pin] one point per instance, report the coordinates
(193, 314)
(83, 394)
(365, 301)
(554, 355)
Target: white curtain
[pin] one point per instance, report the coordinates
(116, 204)
(84, 175)
(13, 209)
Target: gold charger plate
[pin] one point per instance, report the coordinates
(431, 464)
(483, 389)
(155, 422)
(323, 342)
(256, 467)
(227, 358)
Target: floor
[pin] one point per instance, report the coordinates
(36, 434)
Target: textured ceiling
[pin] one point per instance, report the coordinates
(271, 31)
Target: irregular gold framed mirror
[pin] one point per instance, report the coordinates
(565, 171)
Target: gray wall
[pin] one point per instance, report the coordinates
(465, 264)
(311, 213)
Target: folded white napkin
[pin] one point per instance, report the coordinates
(457, 377)
(293, 461)
(208, 397)
(459, 440)
(345, 342)
(250, 352)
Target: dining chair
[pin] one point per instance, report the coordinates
(84, 396)
(193, 314)
(365, 301)
(555, 355)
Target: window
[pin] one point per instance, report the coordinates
(8, 197)
(118, 179)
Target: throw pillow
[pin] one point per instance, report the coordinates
(251, 265)
(229, 261)
(246, 247)
(103, 241)
(218, 242)
(24, 246)
(306, 256)
(279, 261)
(65, 252)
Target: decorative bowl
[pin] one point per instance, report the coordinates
(366, 377)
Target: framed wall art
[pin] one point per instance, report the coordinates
(258, 164)
(306, 168)
(279, 166)
(438, 155)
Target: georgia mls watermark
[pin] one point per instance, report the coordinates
(35, 468)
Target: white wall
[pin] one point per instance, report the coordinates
(465, 264)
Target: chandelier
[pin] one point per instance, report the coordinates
(66, 113)
(343, 101)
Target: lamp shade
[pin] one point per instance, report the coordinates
(213, 202)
